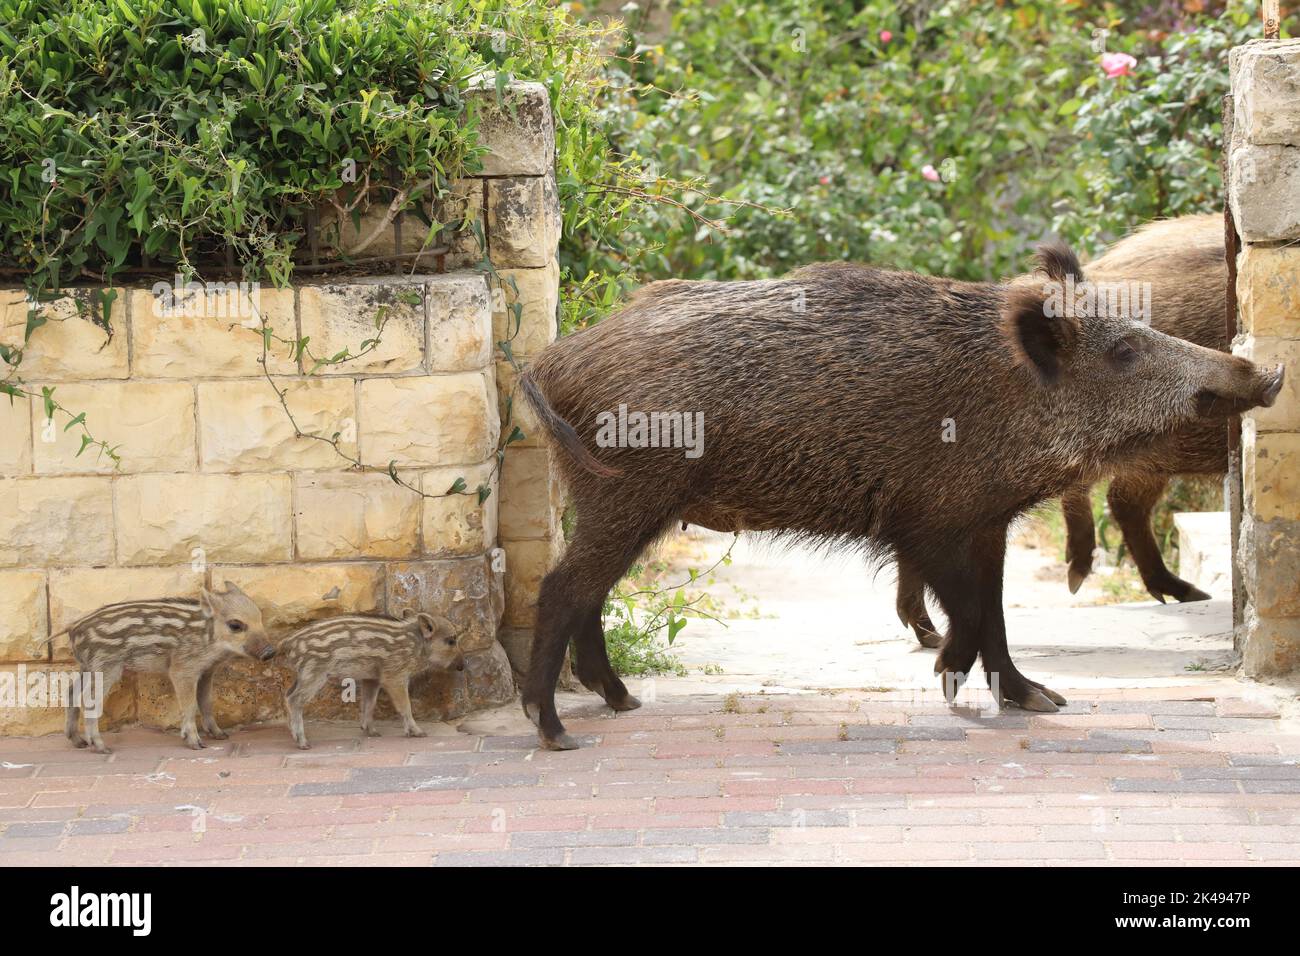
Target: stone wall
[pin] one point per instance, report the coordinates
(214, 483)
(1264, 192)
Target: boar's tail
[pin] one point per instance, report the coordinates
(562, 431)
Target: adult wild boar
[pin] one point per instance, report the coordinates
(1182, 264)
(906, 416)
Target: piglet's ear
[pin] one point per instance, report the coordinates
(207, 602)
(427, 626)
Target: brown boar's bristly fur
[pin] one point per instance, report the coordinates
(825, 397)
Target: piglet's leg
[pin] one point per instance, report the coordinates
(369, 695)
(205, 706)
(92, 704)
(186, 684)
(398, 692)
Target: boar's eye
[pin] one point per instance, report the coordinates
(451, 642)
(236, 627)
(1122, 354)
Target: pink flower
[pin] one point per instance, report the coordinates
(825, 180)
(1117, 64)
(930, 173)
(885, 36)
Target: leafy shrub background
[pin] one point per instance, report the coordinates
(803, 105)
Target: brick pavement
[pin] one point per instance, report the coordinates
(1123, 777)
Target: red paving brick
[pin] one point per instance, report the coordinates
(1144, 777)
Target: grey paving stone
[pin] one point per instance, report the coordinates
(690, 836)
(1090, 745)
(787, 818)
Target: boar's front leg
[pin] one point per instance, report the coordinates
(1080, 533)
(1131, 498)
(210, 725)
(911, 605)
(968, 582)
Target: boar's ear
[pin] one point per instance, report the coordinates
(1037, 320)
(408, 613)
(1039, 340)
(427, 626)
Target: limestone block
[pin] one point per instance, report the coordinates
(518, 130)
(464, 227)
(243, 427)
(340, 316)
(515, 411)
(1270, 474)
(530, 494)
(489, 679)
(24, 620)
(527, 562)
(15, 437)
(353, 515)
(56, 521)
(1284, 415)
(1264, 190)
(460, 323)
(213, 333)
(75, 341)
(1271, 646)
(457, 523)
(431, 420)
(32, 700)
(463, 590)
(1266, 91)
(293, 595)
(75, 592)
(538, 291)
(1269, 553)
(1268, 291)
(150, 424)
(523, 221)
(243, 691)
(175, 519)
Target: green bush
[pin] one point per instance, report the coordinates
(811, 106)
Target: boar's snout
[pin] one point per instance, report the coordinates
(265, 654)
(1272, 386)
(1240, 386)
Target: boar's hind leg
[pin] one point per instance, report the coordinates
(592, 662)
(911, 605)
(968, 582)
(1131, 499)
(1080, 533)
(604, 545)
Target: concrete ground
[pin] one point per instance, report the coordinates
(809, 730)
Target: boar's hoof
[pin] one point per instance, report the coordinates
(103, 749)
(1077, 577)
(218, 735)
(417, 732)
(560, 741)
(927, 637)
(626, 702)
(951, 681)
(1033, 698)
(303, 745)
(1176, 588)
(195, 744)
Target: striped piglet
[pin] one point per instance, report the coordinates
(183, 638)
(372, 650)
